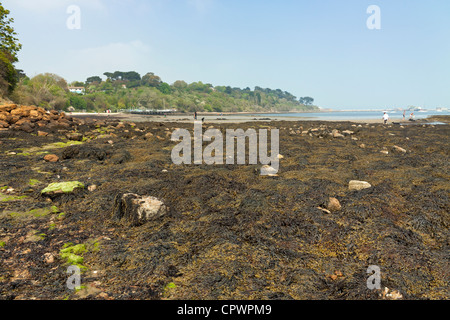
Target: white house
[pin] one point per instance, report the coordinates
(79, 90)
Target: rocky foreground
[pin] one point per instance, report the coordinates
(105, 196)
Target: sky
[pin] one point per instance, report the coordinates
(318, 48)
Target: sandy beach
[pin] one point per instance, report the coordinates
(225, 118)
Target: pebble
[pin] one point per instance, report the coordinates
(398, 149)
(324, 210)
(335, 133)
(51, 158)
(358, 185)
(49, 258)
(333, 204)
(268, 171)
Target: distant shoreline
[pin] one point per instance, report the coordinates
(226, 118)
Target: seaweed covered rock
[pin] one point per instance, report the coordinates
(62, 188)
(120, 157)
(84, 152)
(137, 209)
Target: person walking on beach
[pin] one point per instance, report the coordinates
(195, 115)
(385, 117)
(404, 114)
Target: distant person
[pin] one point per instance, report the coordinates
(404, 114)
(385, 117)
(195, 115)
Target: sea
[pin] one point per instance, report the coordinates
(357, 115)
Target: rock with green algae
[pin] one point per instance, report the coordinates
(72, 254)
(62, 187)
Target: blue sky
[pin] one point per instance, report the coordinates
(317, 48)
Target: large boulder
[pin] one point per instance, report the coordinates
(137, 209)
(84, 152)
(7, 107)
(4, 124)
(5, 116)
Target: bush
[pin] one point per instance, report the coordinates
(8, 75)
(77, 102)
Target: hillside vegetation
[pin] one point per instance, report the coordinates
(128, 90)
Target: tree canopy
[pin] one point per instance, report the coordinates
(9, 47)
(307, 101)
(9, 44)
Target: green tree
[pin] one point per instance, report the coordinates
(8, 75)
(9, 44)
(93, 79)
(307, 101)
(151, 80)
(131, 76)
(77, 102)
(46, 90)
(9, 47)
(258, 98)
(109, 75)
(180, 84)
(77, 84)
(164, 88)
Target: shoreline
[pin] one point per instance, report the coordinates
(230, 118)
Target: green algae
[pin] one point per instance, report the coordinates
(33, 213)
(73, 254)
(43, 149)
(4, 198)
(63, 187)
(33, 182)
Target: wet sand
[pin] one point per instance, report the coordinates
(226, 118)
